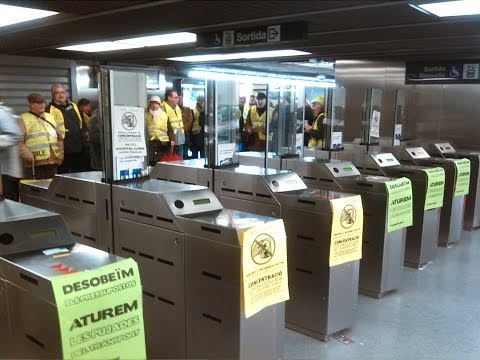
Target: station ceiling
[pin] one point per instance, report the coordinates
(358, 29)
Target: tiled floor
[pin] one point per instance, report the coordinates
(434, 315)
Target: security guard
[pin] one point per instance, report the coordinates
(174, 114)
(256, 123)
(68, 117)
(41, 146)
(160, 133)
(316, 129)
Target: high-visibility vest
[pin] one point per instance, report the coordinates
(40, 136)
(246, 109)
(196, 121)
(175, 116)
(313, 142)
(158, 129)
(258, 121)
(58, 116)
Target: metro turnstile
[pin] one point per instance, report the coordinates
(31, 240)
(192, 172)
(322, 298)
(422, 236)
(189, 255)
(82, 199)
(383, 252)
(451, 213)
(471, 216)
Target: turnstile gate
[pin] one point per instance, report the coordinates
(471, 216)
(451, 213)
(189, 254)
(82, 199)
(29, 326)
(383, 252)
(322, 298)
(422, 236)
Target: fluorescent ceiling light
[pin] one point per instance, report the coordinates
(100, 46)
(17, 14)
(162, 40)
(312, 64)
(244, 55)
(452, 8)
(134, 43)
(257, 77)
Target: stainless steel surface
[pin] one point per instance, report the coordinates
(255, 158)
(443, 111)
(451, 212)
(191, 172)
(422, 236)
(383, 252)
(24, 228)
(33, 315)
(471, 216)
(189, 252)
(82, 199)
(322, 298)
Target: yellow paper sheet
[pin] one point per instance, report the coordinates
(347, 229)
(264, 266)
(100, 312)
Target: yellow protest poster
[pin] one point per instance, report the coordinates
(264, 266)
(435, 187)
(347, 229)
(400, 203)
(462, 178)
(100, 312)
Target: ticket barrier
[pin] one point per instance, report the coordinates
(30, 239)
(451, 213)
(81, 198)
(471, 216)
(188, 250)
(422, 236)
(192, 172)
(383, 252)
(322, 298)
(257, 158)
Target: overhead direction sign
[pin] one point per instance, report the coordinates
(268, 34)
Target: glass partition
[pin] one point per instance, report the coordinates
(400, 100)
(372, 111)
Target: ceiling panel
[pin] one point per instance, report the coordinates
(336, 29)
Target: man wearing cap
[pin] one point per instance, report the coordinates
(316, 129)
(256, 123)
(160, 133)
(41, 146)
(68, 117)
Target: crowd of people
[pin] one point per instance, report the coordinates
(62, 136)
(253, 117)
(174, 128)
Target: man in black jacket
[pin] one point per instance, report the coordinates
(66, 112)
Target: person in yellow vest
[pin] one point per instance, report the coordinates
(316, 129)
(68, 118)
(244, 109)
(174, 114)
(41, 146)
(160, 133)
(256, 123)
(85, 109)
(198, 132)
(187, 118)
